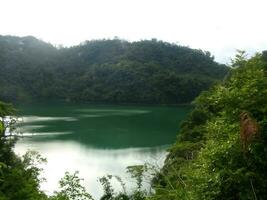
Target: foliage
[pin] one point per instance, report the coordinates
(114, 71)
(107, 188)
(136, 172)
(71, 189)
(208, 160)
(19, 177)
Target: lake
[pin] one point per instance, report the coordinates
(96, 140)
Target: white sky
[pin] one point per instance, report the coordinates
(219, 26)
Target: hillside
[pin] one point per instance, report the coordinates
(221, 148)
(113, 71)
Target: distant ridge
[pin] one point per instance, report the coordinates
(112, 71)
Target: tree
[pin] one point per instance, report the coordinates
(71, 188)
(19, 177)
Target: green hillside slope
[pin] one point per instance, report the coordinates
(113, 71)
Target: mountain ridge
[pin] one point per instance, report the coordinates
(112, 71)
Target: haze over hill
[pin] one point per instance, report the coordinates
(220, 27)
(114, 71)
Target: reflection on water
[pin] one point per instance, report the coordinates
(96, 139)
(33, 119)
(90, 162)
(43, 134)
(110, 112)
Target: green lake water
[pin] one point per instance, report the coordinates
(96, 139)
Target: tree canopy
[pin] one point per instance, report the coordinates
(221, 149)
(113, 71)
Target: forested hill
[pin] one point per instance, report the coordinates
(114, 71)
(221, 149)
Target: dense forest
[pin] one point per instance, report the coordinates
(220, 152)
(112, 71)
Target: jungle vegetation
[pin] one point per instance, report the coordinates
(220, 152)
(221, 149)
(106, 71)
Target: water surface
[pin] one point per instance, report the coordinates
(97, 139)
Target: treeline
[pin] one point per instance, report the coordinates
(113, 71)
